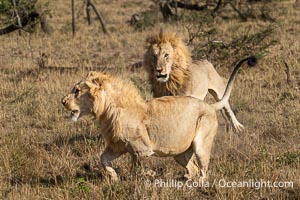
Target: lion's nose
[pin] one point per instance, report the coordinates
(63, 101)
(159, 70)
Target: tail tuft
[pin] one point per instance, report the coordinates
(252, 60)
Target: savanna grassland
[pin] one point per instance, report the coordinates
(44, 155)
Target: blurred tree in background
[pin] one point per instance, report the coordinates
(23, 15)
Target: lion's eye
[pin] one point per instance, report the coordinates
(76, 92)
(166, 56)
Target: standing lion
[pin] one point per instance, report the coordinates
(173, 73)
(168, 126)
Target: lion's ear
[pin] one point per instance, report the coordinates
(93, 88)
(97, 77)
(91, 85)
(92, 74)
(97, 80)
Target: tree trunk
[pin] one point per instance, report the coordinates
(88, 12)
(98, 16)
(73, 17)
(18, 17)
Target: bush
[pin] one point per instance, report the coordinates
(22, 14)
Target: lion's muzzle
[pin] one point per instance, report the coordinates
(162, 77)
(65, 100)
(75, 112)
(74, 115)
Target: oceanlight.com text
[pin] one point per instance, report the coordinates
(222, 183)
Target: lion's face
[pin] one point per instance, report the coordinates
(161, 60)
(80, 101)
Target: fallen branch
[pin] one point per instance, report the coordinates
(75, 68)
(196, 7)
(24, 21)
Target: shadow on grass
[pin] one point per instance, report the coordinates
(55, 180)
(65, 140)
(49, 179)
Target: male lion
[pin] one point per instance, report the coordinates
(166, 126)
(172, 72)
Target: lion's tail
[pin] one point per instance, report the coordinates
(251, 61)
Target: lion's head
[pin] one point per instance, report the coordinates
(82, 99)
(167, 60)
(98, 93)
(161, 60)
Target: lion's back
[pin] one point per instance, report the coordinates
(172, 118)
(176, 108)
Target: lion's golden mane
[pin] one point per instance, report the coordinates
(181, 72)
(116, 87)
(185, 76)
(143, 128)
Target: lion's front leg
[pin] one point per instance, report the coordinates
(107, 156)
(140, 145)
(138, 167)
(135, 162)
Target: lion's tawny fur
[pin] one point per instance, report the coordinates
(168, 126)
(144, 128)
(181, 73)
(186, 77)
(110, 120)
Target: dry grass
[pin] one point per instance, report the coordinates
(43, 155)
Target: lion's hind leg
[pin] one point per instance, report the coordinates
(229, 113)
(187, 160)
(203, 141)
(107, 156)
(217, 89)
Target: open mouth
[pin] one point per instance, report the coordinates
(74, 115)
(162, 76)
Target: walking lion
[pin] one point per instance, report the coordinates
(174, 126)
(172, 72)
